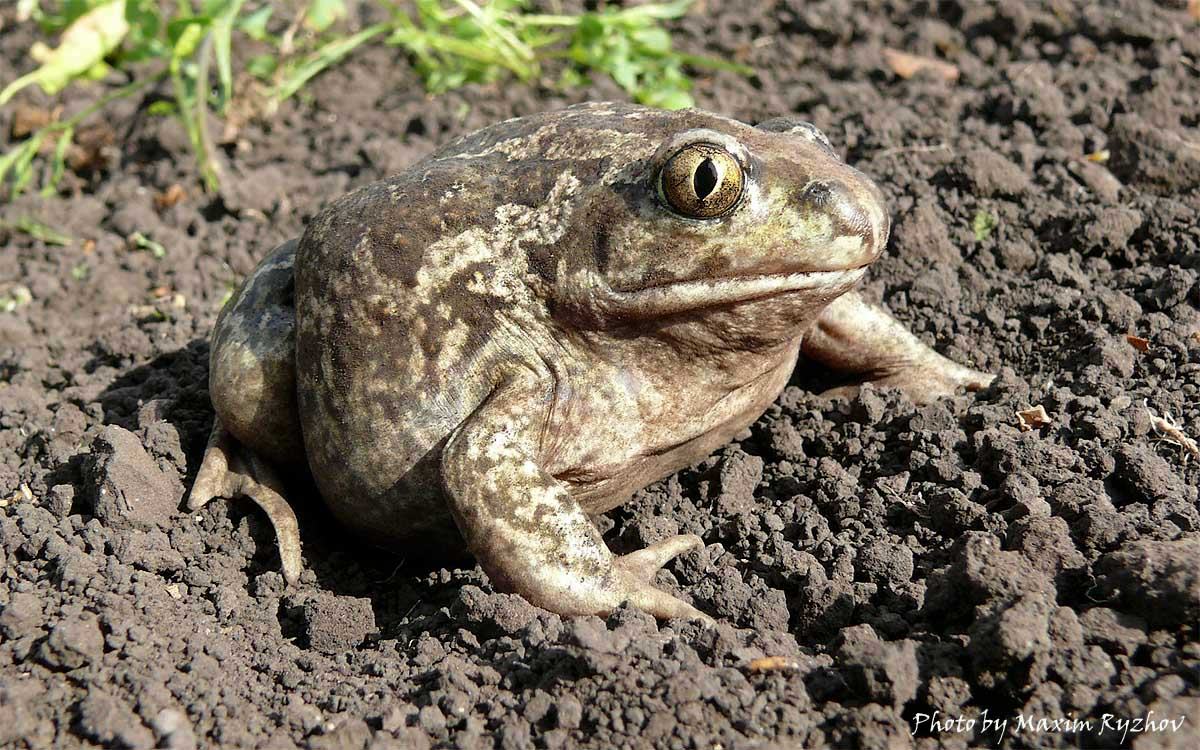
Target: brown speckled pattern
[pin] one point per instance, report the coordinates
(252, 379)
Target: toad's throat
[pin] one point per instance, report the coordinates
(683, 296)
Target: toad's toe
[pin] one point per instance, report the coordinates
(638, 569)
(229, 470)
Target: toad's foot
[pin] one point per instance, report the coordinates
(528, 533)
(230, 470)
(923, 381)
(637, 570)
(855, 337)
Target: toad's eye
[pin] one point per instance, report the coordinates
(701, 181)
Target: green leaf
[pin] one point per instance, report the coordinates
(659, 11)
(19, 162)
(142, 242)
(222, 46)
(324, 13)
(624, 73)
(262, 66)
(10, 159)
(669, 99)
(982, 225)
(254, 25)
(143, 42)
(162, 107)
(571, 78)
(85, 43)
(186, 34)
(58, 164)
(326, 55)
(62, 14)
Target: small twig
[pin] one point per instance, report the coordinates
(1173, 432)
(913, 150)
(288, 40)
(773, 664)
(394, 571)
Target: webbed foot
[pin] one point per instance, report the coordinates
(230, 470)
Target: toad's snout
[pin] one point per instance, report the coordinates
(844, 222)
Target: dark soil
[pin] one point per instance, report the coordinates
(900, 561)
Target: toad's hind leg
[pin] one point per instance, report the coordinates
(252, 384)
(229, 470)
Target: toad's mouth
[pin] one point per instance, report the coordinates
(684, 296)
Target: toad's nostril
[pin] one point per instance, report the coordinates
(853, 230)
(844, 209)
(817, 195)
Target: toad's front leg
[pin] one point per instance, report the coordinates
(858, 338)
(528, 533)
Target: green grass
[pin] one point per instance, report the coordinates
(37, 230)
(187, 46)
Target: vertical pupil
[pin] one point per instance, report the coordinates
(704, 180)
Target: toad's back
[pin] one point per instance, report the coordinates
(412, 297)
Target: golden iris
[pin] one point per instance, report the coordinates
(701, 181)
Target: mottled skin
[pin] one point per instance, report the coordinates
(519, 332)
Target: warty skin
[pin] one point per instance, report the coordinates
(526, 327)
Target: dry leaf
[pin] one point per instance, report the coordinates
(27, 118)
(87, 152)
(1137, 342)
(1033, 417)
(172, 196)
(907, 66)
(772, 664)
(1194, 9)
(1099, 157)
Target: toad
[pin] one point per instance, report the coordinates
(539, 319)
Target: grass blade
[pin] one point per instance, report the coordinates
(222, 32)
(18, 161)
(37, 230)
(58, 164)
(325, 56)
